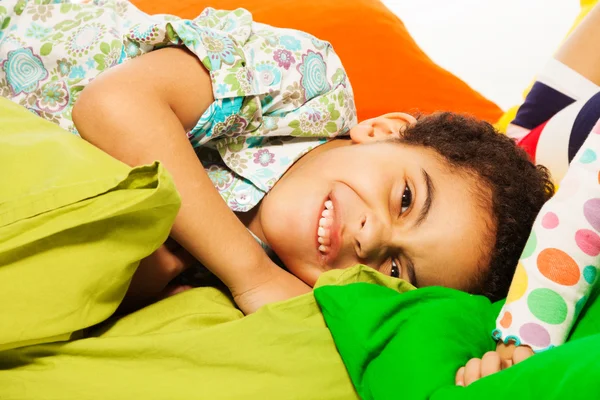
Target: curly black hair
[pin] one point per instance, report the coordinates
(518, 187)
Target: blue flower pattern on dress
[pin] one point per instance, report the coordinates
(220, 48)
(36, 31)
(216, 113)
(77, 72)
(24, 70)
(90, 63)
(222, 88)
(188, 35)
(268, 74)
(290, 43)
(278, 92)
(314, 79)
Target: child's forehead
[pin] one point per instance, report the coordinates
(418, 159)
(441, 169)
(423, 154)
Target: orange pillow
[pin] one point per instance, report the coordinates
(387, 70)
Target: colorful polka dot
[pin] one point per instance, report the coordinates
(558, 266)
(591, 211)
(506, 320)
(550, 220)
(535, 335)
(596, 128)
(579, 305)
(588, 241)
(547, 306)
(589, 274)
(530, 245)
(518, 285)
(588, 156)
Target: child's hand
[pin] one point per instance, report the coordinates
(505, 356)
(154, 274)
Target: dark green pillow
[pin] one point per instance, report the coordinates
(410, 345)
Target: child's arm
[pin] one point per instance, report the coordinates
(560, 261)
(579, 53)
(516, 318)
(139, 112)
(556, 271)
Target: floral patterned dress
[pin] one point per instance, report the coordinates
(278, 92)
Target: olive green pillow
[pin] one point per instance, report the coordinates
(194, 345)
(74, 223)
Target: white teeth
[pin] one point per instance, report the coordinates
(325, 222)
(324, 240)
(323, 232)
(324, 249)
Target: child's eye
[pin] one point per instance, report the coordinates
(406, 199)
(395, 270)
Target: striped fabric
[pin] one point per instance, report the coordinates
(556, 117)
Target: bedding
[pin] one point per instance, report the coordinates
(74, 224)
(193, 345)
(416, 341)
(394, 342)
(64, 268)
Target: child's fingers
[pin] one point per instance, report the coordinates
(507, 364)
(181, 259)
(521, 353)
(476, 368)
(472, 371)
(490, 363)
(163, 262)
(172, 290)
(170, 263)
(460, 377)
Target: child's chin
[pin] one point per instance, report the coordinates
(305, 271)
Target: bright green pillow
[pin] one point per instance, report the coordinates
(412, 344)
(74, 224)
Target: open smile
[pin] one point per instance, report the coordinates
(328, 239)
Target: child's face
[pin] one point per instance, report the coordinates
(393, 205)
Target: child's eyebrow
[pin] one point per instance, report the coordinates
(429, 195)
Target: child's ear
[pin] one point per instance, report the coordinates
(381, 128)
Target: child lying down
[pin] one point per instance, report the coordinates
(257, 126)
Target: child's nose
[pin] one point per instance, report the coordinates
(369, 239)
